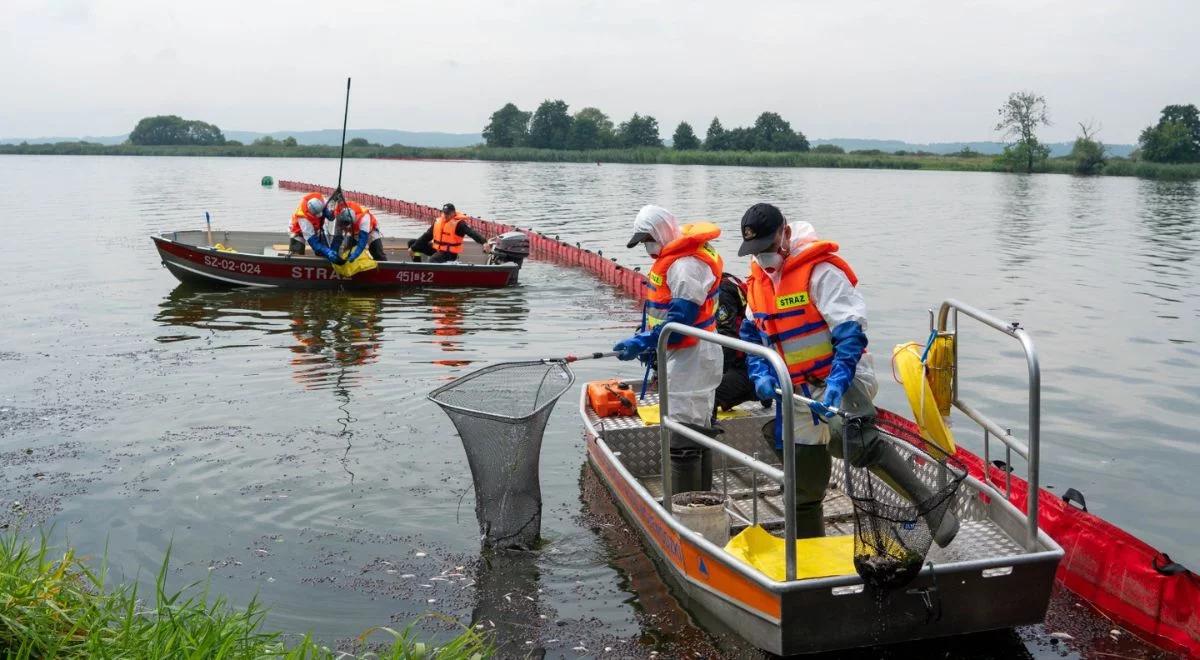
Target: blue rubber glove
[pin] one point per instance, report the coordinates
(849, 342)
(763, 377)
(320, 248)
(363, 238)
(678, 311)
(631, 348)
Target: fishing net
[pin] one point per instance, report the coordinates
(893, 531)
(500, 413)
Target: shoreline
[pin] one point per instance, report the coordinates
(642, 156)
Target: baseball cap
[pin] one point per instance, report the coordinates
(759, 225)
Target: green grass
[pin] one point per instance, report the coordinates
(53, 605)
(1115, 167)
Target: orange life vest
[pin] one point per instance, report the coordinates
(364, 220)
(445, 233)
(787, 316)
(301, 213)
(693, 243)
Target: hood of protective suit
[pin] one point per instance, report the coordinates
(803, 234)
(659, 223)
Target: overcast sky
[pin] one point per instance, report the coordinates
(917, 71)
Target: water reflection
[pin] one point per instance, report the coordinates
(1019, 222)
(507, 601)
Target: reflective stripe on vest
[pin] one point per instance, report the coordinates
(789, 318)
(301, 213)
(445, 234)
(693, 243)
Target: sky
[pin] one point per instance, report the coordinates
(929, 71)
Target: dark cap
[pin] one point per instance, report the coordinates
(638, 237)
(448, 208)
(759, 225)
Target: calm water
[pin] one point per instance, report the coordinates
(282, 441)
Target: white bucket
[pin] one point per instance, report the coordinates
(704, 512)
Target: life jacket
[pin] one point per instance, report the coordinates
(445, 233)
(301, 213)
(693, 243)
(364, 220)
(789, 318)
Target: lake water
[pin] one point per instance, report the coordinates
(282, 445)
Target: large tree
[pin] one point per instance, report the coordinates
(1176, 137)
(551, 125)
(774, 133)
(509, 127)
(1020, 117)
(591, 129)
(172, 129)
(1088, 152)
(714, 139)
(639, 131)
(605, 130)
(685, 138)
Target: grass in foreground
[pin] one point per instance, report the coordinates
(54, 606)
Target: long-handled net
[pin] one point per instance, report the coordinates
(894, 526)
(500, 413)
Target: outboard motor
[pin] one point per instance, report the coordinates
(509, 247)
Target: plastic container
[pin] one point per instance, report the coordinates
(704, 512)
(612, 398)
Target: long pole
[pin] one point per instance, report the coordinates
(342, 154)
(208, 224)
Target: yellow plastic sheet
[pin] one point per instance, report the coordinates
(363, 263)
(650, 415)
(907, 368)
(825, 556)
(223, 248)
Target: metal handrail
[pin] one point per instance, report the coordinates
(668, 425)
(1031, 452)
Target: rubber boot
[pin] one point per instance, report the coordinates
(691, 464)
(812, 468)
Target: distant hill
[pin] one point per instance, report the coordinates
(1056, 148)
(326, 136)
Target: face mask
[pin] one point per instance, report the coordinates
(652, 248)
(769, 261)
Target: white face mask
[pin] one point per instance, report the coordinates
(769, 261)
(652, 248)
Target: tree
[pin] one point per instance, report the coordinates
(828, 149)
(288, 141)
(606, 132)
(266, 141)
(1020, 117)
(359, 142)
(172, 130)
(508, 127)
(550, 126)
(685, 138)
(773, 133)
(1088, 152)
(714, 139)
(639, 131)
(1176, 138)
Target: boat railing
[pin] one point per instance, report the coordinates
(947, 323)
(668, 425)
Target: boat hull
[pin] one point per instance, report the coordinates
(194, 264)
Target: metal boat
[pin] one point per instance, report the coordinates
(261, 259)
(998, 572)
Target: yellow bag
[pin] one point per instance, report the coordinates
(223, 248)
(908, 370)
(824, 556)
(650, 415)
(363, 263)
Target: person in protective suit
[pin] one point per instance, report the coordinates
(803, 301)
(308, 226)
(443, 241)
(683, 285)
(356, 220)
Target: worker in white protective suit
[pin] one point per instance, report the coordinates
(803, 301)
(682, 287)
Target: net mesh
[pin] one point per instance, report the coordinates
(500, 413)
(892, 535)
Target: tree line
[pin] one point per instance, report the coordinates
(552, 126)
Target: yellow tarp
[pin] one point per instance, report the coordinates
(650, 415)
(363, 263)
(825, 556)
(906, 366)
(223, 248)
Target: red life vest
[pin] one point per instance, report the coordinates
(445, 233)
(787, 316)
(693, 243)
(301, 213)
